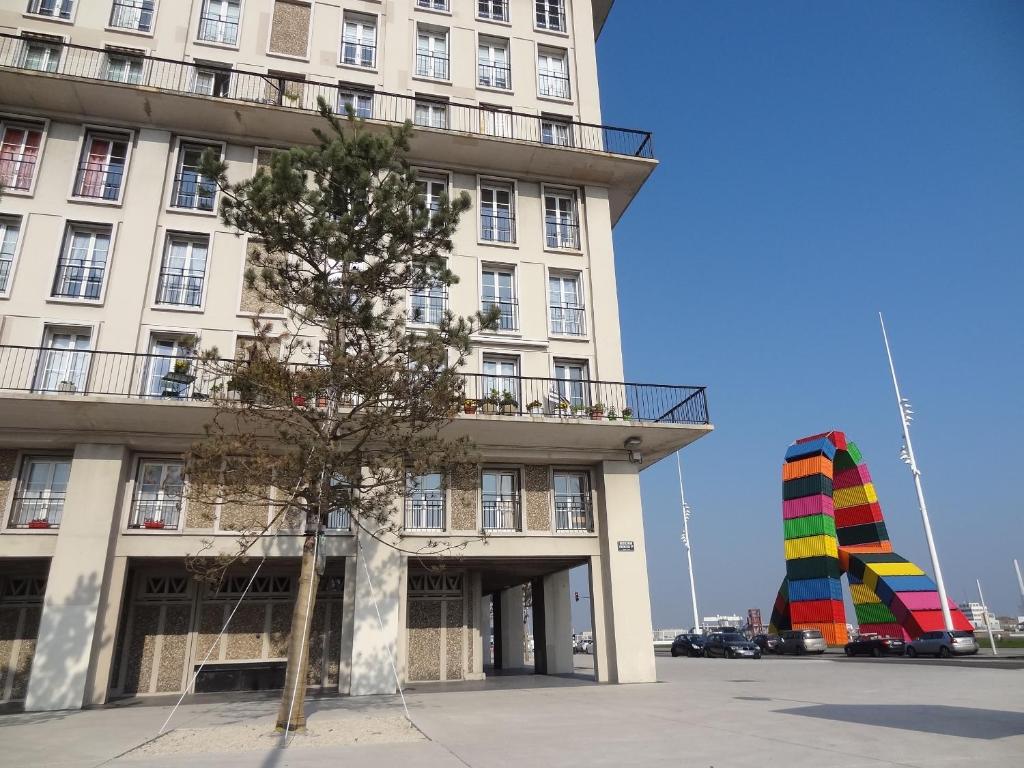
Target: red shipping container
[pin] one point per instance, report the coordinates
(859, 515)
(920, 622)
(815, 611)
(886, 630)
(848, 478)
(838, 439)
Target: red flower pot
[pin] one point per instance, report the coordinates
(38, 524)
(299, 400)
(469, 408)
(153, 524)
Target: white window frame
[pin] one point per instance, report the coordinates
(497, 121)
(489, 184)
(6, 123)
(433, 107)
(493, 44)
(517, 493)
(94, 228)
(129, 55)
(557, 122)
(563, 28)
(546, 55)
(180, 341)
(415, 493)
(51, 41)
(506, 16)
(54, 14)
(585, 399)
(562, 194)
(433, 6)
(221, 19)
(135, 6)
(80, 358)
(26, 460)
(7, 220)
(497, 297)
(356, 92)
(141, 462)
(89, 133)
(175, 157)
(213, 70)
(587, 494)
(564, 276)
(432, 34)
(191, 239)
(361, 21)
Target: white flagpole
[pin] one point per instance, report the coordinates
(905, 412)
(686, 542)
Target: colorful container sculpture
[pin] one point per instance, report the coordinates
(833, 524)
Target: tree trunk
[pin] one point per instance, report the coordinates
(298, 643)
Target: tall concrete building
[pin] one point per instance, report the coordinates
(112, 255)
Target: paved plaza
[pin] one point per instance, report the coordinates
(705, 712)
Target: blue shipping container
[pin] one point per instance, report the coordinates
(816, 589)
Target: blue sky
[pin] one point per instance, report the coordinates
(822, 161)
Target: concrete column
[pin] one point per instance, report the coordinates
(69, 634)
(601, 624)
(511, 606)
(372, 649)
(626, 597)
(477, 628)
(557, 624)
(347, 621)
(485, 633)
(108, 621)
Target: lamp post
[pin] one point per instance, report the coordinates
(988, 624)
(686, 542)
(907, 454)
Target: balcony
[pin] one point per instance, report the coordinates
(91, 391)
(176, 96)
(501, 512)
(573, 513)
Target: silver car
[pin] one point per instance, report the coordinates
(959, 642)
(802, 641)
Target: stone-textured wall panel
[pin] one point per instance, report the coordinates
(8, 465)
(172, 652)
(245, 635)
(9, 618)
(424, 622)
(280, 629)
(464, 494)
(537, 498)
(470, 611)
(455, 633)
(141, 648)
(315, 670)
(239, 516)
(27, 651)
(333, 664)
(199, 513)
(289, 31)
(211, 619)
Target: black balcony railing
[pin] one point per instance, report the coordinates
(101, 181)
(493, 75)
(5, 270)
(572, 513)
(180, 287)
(568, 320)
(560, 233)
(36, 511)
(157, 514)
(424, 512)
(497, 226)
(127, 374)
(216, 29)
(132, 14)
(501, 512)
(193, 192)
(17, 170)
(427, 308)
(358, 54)
(553, 84)
(179, 77)
(432, 65)
(78, 279)
(339, 520)
(508, 311)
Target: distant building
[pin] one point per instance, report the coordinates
(975, 613)
(716, 622)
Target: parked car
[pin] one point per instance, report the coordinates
(768, 643)
(959, 642)
(802, 641)
(731, 646)
(688, 645)
(875, 645)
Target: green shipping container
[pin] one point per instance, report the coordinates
(874, 613)
(812, 525)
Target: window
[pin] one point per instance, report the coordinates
(64, 361)
(500, 492)
(83, 263)
(57, 9)
(211, 81)
(561, 226)
(496, 121)
(570, 383)
(552, 74)
(493, 69)
(339, 514)
(101, 168)
(192, 190)
(433, 5)
(42, 488)
(19, 156)
(169, 366)
(124, 66)
(432, 53)
(41, 52)
(427, 305)
(499, 291)
(133, 14)
(219, 21)
(572, 501)
(156, 502)
(556, 131)
(359, 100)
(431, 114)
(284, 89)
(550, 15)
(501, 376)
(565, 303)
(183, 271)
(494, 10)
(424, 502)
(359, 41)
(497, 216)
(10, 229)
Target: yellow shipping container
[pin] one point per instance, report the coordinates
(811, 546)
(893, 569)
(862, 594)
(852, 497)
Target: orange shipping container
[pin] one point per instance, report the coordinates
(813, 465)
(834, 634)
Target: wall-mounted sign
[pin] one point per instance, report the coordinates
(625, 546)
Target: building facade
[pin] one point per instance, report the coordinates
(112, 256)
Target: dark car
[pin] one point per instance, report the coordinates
(875, 645)
(731, 646)
(688, 645)
(768, 643)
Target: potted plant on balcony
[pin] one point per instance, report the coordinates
(596, 411)
(39, 522)
(627, 414)
(509, 405)
(576, 409)
(153, 525)
(535, 407)
(67, 386)
(490, 403)
(564, 408)
(299, 401)
(469, 406)
(612, 414)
